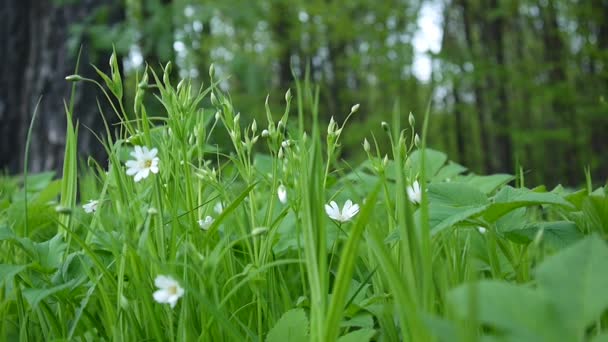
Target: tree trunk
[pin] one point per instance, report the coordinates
(33, 38)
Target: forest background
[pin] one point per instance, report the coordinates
(510, 83)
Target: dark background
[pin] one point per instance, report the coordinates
(512, 82)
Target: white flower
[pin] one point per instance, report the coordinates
(168, 291)
(145, 162)
(481, 230)
(206, 223)
(218, 208)
(414, 193)
(282, 193)
(90, 207)
(349, 210)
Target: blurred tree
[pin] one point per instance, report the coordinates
(39, 44)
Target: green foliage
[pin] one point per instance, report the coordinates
(293, 326)
(566, 301)
(474, 258)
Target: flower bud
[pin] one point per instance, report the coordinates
(288, 95)
(217, 115)
(411, 119)
(417, 140)
(254, 126)
(366, 146)
(211, 70)
(73, 78)
(63, 210)
(259, 231)
(331, 127)
(354, 108)
(265, 133)
(384, 126)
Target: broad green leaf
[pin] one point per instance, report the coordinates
(35, 295)
(441, 328)
(451, 203)
(489, 184)
(455, 195)
(443, 216)
(509, 199)
(575, 280)
(603, 337)
(519, 312)
(6, 233)
(448, 171)
(7, 272)
(555, 235)
(362, 320)
(292, 326)
(434, 160)
(360, 335)
(49, 254)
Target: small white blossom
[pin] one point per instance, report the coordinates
(90, 207)
(168, 291)
(414, 193)
(145, 162)
(481, 230)
(218, 208)
(206, 223)
(349, 210)
(282, 193)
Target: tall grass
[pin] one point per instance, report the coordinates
(264, 267)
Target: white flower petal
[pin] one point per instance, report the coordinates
(161, 296)
(163, 282)
(282, 193)
(138, 152)
(138, 176)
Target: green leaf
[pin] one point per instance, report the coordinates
(509, 199)
(434, 160)
(358, 336)
(441, 328)
(603, 337)
(519, 312)
(595, 211)
(455, 195)
(489, 184)
(575, 280)
(362, 320)
(451, 203)
(442, 216)
(555, 235)
(293, 327)
(49, 254)
(447, 172)
(6, 233)
(7, 272)
(35, 295)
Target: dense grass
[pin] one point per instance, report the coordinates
(244, 232)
